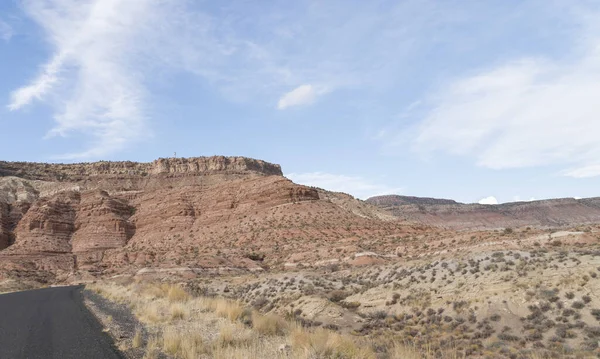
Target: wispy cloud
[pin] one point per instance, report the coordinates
(356, 186)
(105, 53)
(300, 96)
(531, 111)
(6, 31)
(92, 79)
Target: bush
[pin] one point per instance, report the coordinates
(257, 257)
(508, 337)
(350, 305)
(337, 295)
(380, 314)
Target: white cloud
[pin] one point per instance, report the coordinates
(6, 31)
(519, 199)
(93, 80)
(488, 200)
(301, 95)
(524, 113)
(356, 186)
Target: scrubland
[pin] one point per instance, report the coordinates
(502, 304)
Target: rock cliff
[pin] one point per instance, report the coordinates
(122, 170)
(101, 218)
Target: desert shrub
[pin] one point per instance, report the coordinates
(246, 317)
(260, 302)
(508, 337)
(350, 305)
(379, 314)
(257, 257)
(337, 295)
(593, 332)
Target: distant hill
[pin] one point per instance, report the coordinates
(451, 214)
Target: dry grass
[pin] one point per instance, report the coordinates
(177, 294)
(234, 336)
(152, 348)
(137, 339)
(322, 343)
(269, 324)
(149, 312)
(183, 344)
(228, 309)
(213, 328)
(178, 311)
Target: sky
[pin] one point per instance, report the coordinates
(491, 101)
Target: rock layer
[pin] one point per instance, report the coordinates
(121, 170)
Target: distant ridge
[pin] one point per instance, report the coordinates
(451, 214)
(397, 200)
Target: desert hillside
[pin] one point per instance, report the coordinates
(197, 214)
(450, 214)
(178, 244)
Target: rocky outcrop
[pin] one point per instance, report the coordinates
(47, 226)
(5, 232)
(122, 170)
(451, 214)
(101, 223)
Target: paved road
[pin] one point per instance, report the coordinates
(51, 323)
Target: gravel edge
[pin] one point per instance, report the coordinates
(118, 321)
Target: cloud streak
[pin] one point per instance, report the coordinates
(99, 77)
(6, 31)
(300, 96)
(91, 78)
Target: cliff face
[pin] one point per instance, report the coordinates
(451, 214)
(164, 166)
(111, 217)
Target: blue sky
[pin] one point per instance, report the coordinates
(454, 99)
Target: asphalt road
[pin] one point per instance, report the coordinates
(51, 323)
